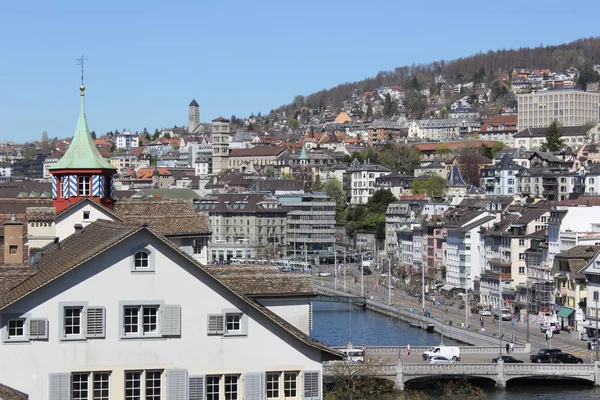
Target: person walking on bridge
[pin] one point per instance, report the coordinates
(408, 349)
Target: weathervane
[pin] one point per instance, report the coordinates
(80, 62)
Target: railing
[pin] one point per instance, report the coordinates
(549, 369)
(450, 369)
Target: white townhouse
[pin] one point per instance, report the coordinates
(116, 311)
(361, 178)
(126, 140)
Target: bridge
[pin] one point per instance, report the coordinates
(326, 298)
(500, 374)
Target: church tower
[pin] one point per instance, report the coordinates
(220, 143)
(82, 172)
(193, 117)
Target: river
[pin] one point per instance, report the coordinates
(335, 325)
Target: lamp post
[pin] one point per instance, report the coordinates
(362, 277)
(499, 313)
(334, 267)
(597, 347)
(467, 301)
(389, 281)
(527, 314)
(422, 286)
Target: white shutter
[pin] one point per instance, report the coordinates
(254, 386)
(38, 329)
(60, 386)
(196, 388)
(95, 322)
(312, 385)
(171, 320)
(216, 324)
(177, 384)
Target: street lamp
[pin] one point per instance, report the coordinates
(499, 312)
(596, 300)
(467, 301)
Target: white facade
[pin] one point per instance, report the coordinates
(172, 286)
(126, 140)
(363, 183)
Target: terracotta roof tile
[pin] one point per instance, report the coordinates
(254, 280)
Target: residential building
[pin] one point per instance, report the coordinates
(245, 226)
(254, 157)
(500, 128)
(125, 162)
(501, 179)
(398, 184)
(310, 222)
(399, 213)
(435, 167)
(123, 293)
(126, 140)
(568, 107)
(591, 272)
(534, 138)
(360, 180)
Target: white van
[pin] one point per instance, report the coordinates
(450, 352)
(550, 325)
(354, 355)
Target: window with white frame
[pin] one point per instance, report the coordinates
(229, 323)
(282, 385)
(149, 319)
(143, 385)
(16, 329)
(141, 260)
(521, 270)
(140, 320)
(521, 242)
(223, 387)
(233, 323)
(72, 321)
(521, 256)
(90, 385)
(84, 185)
(78, 321)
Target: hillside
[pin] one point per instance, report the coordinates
(478, 68)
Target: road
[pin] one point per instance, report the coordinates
(567, 342)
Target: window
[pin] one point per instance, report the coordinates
(140, 320)
(290, 380)
(521, 242)
(90, 385)
(233, 323)
(142, 260)
(72, 321)
(152, 319)
(147, 382)
(212, 387)
(16, 329)
(228, 323)
(521, 270)
(86, 215)
(228, 385)
(84, 185)
(13, 249)
(521, 256)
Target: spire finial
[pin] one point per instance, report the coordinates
(80, 62)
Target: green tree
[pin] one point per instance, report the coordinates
(167, 135)
(496, 148)
(93, 135)
(293, 123)
(369, 113)
(378, 203)
(389, 106)
(317, 185)
(335, 191)
(461, 389)
(554, 140)
(156, 134)
(587, 74)
(400, 158)
(434, 186)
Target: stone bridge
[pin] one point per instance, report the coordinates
(500, 374)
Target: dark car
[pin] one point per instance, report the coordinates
(507, 359)
(565, 358)
(544, 355)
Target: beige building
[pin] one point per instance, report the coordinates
(244, 159)
(569, 107)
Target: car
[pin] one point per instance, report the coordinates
(565, 358)
(507, 360)
(543, 355)
(324, 274)
(485, 312)
(439, 360)
(504, 314)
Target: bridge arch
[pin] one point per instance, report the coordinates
(422, 382)
(551, 380)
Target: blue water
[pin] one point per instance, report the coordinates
(335, 325)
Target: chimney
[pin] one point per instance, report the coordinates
(13, 241)
(78, 228)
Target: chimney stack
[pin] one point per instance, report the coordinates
(13, 241)
(78, 228)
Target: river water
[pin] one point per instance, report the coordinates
(336, 324)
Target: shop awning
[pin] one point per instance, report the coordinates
(565, 312)
(447, 287)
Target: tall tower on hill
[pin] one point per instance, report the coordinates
(193, 117)
(220, 143)
(82, 172)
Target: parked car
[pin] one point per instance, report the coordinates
(485, 312)
(507, 359)
(324, 274)
(439, 360)
(565, 358)
(544, 355)
(504, 314)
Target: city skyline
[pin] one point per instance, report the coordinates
(146, 63)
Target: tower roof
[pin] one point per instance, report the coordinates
(303, 154)
(455, 178)
(82, 153)
(194, 103)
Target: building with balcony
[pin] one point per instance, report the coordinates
(359, 180)
(126, 140)
(501, 178)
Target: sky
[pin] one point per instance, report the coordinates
(146, 60)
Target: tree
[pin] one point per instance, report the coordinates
(293, 123)
(442, 150)
(469, 163)
(461, 389)
(554, 141)
(400, 158)
(335, 191)
(369, 113)
(378, 203)
(167, 135)
(359, 381)
(317, 186)
(434, 186)
(93, 135)
(389, 106)
(156, 134)
(496, 148)
(587, 74)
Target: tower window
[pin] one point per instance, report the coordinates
(84, 185)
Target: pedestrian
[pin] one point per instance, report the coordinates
(507, 348)
(512, 347)
(482, 330)
(408, 349)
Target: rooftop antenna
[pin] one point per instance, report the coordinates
(80, 62)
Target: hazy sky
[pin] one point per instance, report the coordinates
(146, 60)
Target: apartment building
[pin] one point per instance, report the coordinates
(568, 107)
(126, 140)
(359, 180)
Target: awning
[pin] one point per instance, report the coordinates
(447, 287)
(565, 312)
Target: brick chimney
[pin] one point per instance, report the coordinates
(13, 241)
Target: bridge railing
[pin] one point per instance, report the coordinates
(450, 369)
(422, 349)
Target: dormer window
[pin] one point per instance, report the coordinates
(142, 261)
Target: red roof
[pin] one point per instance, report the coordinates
(508, 121)
(453, 145)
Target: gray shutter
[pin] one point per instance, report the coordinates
(171, 320)
(254, 386)
(95, 322)
(177, 384)
(38, 329)
(60, 386)
(196, 387)
(216, 324)
(312, 385)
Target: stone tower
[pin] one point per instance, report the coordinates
(82, 172)
(220, 144)
(193, 117)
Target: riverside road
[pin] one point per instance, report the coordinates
(374, 288)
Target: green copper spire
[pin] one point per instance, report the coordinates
(82, 153)
(303, 154)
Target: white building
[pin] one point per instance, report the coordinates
(126, 140)
(362, 180)
(500, 179)
(117, 310)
